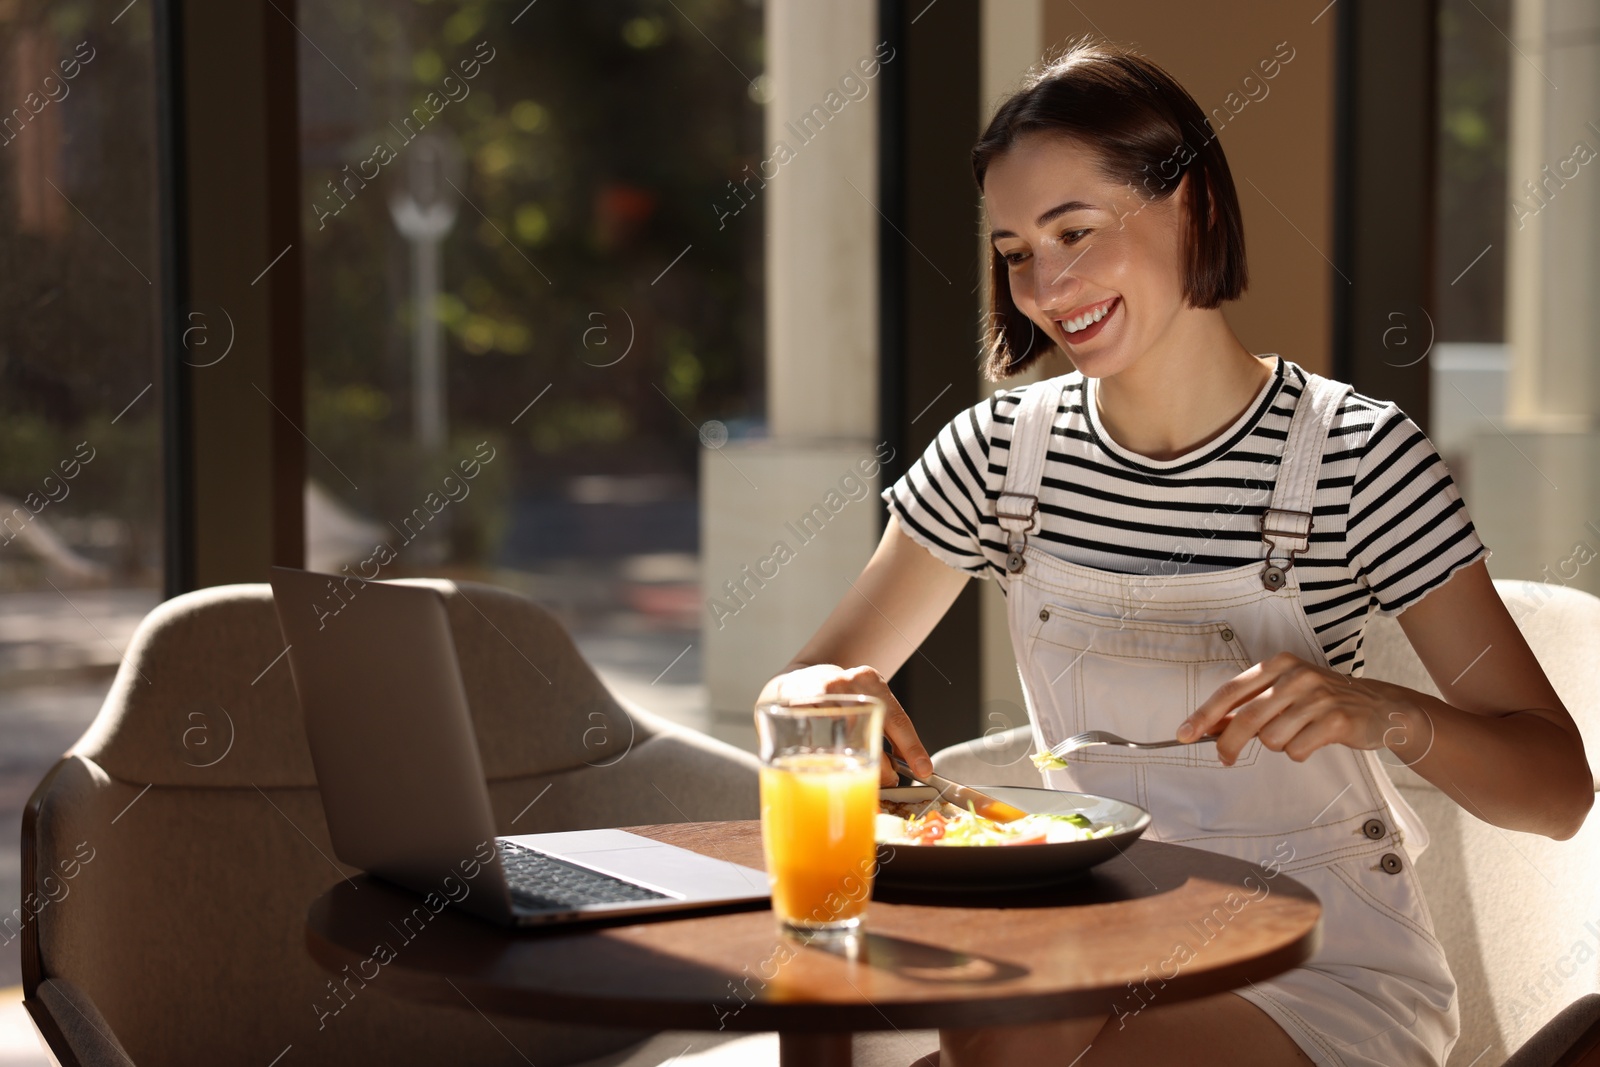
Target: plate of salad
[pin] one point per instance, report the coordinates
(926, 842)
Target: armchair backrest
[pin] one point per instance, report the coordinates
(172, 855)
(1517, 913)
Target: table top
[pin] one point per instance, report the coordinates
(1159, 923)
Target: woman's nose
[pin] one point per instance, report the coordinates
(1055, 277)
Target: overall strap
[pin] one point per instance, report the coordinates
(1286, 525)
(1018, 505)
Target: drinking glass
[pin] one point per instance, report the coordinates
(819, 801)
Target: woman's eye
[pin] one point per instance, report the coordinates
(1014, 258)
(1072, 237)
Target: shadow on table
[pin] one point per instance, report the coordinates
(1144, 869)
(918, 960)
(686, 974)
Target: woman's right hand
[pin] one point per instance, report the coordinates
(824, 678)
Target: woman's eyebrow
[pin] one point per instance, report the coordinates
(1045, 219)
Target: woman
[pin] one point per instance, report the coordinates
(1191, 539)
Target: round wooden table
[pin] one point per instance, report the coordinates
(1160, 923)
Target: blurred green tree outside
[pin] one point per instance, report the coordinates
(586, 267)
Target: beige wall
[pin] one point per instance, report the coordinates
(1283, 142)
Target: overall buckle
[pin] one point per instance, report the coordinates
(1017, 539)
(1298, 528)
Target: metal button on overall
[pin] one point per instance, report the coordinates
(1373, 828)
(1390, 863)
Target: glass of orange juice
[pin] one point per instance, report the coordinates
(819, 802)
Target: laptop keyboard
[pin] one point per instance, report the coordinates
(544, 883)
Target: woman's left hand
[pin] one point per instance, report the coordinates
(1296, 707)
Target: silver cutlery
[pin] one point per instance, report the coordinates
(1102, 737)
(959, 795)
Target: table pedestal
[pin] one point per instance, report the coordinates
(813, 1050)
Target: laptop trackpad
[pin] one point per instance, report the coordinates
(655, 864)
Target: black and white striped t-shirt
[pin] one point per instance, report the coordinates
(1389, 523)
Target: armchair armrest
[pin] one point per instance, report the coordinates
(700, 777)
(72, 1028)
(1571, 1039)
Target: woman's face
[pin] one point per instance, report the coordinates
(1077, 244)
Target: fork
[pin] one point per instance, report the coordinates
(1101, 737)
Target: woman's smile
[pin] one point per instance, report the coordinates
(1084, 323)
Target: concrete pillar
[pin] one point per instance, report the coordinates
(810, 486)
(1530, 481)
(821, 252)
(1553, 321)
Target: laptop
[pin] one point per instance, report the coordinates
(403, 786)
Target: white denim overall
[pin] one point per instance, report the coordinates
(1136, 653)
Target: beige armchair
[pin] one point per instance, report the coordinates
(171, 855)
(1518, 913)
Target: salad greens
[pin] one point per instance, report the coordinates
(1048, 761)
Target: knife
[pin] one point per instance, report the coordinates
(959, 795)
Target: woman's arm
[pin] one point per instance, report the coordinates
(894, 604)
(1499, 743)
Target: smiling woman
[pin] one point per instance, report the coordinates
(1134, 134)
(1192, 538)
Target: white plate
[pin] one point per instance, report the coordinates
(975, 866)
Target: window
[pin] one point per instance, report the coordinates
(80, 391)
(1516, 380)
(1469, 277)
(525, 312)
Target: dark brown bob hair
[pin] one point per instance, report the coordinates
(1148, 133)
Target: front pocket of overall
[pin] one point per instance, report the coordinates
(1135, 677)
(1372, 918)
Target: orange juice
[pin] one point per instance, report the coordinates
(817, 815)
